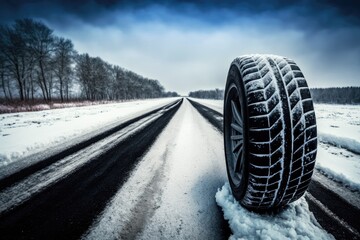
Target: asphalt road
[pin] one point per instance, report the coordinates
(67, 207)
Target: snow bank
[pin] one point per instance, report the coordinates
(350, 144)
(339, 177)
(295, 222)
(339, 125)
(339, 164)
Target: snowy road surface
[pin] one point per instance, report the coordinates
(155, 178)
(171, 193)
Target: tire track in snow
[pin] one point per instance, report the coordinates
(134, 203)
(170, 193)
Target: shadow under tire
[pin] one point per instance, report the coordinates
(270, 134)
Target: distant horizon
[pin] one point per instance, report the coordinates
(190, 45)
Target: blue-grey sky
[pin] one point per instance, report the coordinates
(189, 45)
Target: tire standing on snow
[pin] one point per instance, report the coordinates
(269, 131)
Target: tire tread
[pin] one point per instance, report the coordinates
(267, 143)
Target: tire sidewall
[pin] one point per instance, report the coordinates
(234, 77)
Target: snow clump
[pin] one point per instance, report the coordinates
(294, 222)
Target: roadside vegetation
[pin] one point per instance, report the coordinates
(208, 94)
(345, 95)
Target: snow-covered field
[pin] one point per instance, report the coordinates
(26, 133)
(339, 140)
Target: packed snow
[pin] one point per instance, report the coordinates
(339, 140)
(26, 133)
(294, 222)
(171, 192)
(340, 165)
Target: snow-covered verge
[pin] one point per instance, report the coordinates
(339, 177)
(339, 165)
(342, 142)
(294, 222)
(339, 125)
(30, 107)
(339, 140)
(26, 133)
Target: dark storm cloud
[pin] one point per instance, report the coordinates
(59, 11)
(307, 13)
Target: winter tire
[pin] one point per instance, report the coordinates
(269, 131)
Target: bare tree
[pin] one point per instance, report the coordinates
(63, 59)
(83, 72)
(5, 79)
(100, 78)
(40, 42)
(96, 77)
(15, 53)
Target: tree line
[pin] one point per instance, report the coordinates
(344, 95)
(208, 94)
(35, 63)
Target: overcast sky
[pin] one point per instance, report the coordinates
(189, 46)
